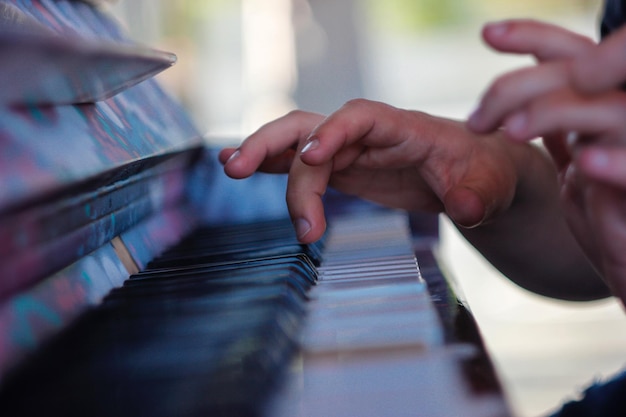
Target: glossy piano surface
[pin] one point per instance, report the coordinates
(50, 143)
(47, 69)
(65, 159)
(75, 176)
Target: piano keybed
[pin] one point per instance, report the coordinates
(245, 321)
(370, 293)
(373, 343)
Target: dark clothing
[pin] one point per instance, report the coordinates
(604, 399)
(613, 16)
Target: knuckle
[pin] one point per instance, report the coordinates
(357, 104)
(297, 113)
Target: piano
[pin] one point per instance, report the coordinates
(132, 285)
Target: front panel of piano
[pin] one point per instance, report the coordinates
(132, 282)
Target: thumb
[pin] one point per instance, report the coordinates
(473, 203)
(465, 206)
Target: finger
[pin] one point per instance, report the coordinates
(600, 116)
(465, 207)
(513, 91)
(272, 144)
(556, 144)
(306, 186)
(333, 145)
(225, 154)
(362, 132)
(359, 125)
(543, 40)
(606, 164)
(477, 197)
(602, 68)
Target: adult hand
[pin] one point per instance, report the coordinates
(575, 88)
(510, 100)
(581, 119)
(399, 158)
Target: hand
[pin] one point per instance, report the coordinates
(554, 98)
(399, 158)
(414, 161)
(573, 89)
(510, 98)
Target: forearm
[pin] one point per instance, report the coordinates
(530, 243)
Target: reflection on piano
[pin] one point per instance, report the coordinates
(123, 290)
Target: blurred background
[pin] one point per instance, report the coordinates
(244, 62)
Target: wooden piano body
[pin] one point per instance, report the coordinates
(101, 171)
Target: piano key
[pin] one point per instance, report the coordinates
(197, 323)
(233, 327)
(228, 373)
(213, 252)
(297, 261)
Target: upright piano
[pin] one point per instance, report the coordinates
(134, 283)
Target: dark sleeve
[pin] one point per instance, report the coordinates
(603, 399)
(613, 16)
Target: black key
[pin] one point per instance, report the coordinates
(208, 329)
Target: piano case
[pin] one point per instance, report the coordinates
(106, 185)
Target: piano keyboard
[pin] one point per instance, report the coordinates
(245, 321)
(370, 294)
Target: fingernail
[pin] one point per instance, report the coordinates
(312, 143)
(517, 125)
(497, 28)
(234, 156)
(303, 227)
